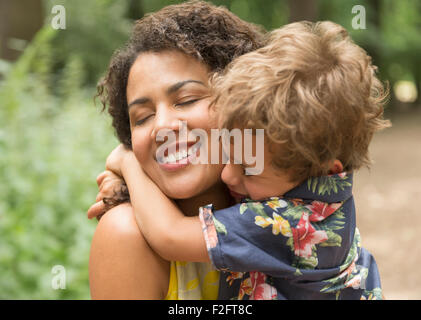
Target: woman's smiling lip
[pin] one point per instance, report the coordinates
(178, 164)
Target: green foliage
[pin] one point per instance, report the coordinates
(94, 30)
(402, 42)
(270, 14)
(391, 36)
(51, 149)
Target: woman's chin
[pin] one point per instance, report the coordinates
(189, 183)
(184, 189)
(181, 194)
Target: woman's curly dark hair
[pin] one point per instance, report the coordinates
(206, 32)
(211, 34)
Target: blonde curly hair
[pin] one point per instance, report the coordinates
(314, 92)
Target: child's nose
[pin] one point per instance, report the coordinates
(231, 174)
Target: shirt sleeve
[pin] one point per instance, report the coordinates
(240, 240)
(276, 236)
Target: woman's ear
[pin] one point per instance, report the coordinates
(336, 167)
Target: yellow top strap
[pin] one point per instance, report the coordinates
(192, 281)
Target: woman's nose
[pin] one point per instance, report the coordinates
(166, 119)
(231, 174)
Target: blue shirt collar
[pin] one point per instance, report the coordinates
(330, 188)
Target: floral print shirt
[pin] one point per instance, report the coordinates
(304, 245)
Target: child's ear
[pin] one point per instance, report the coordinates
(336, 167)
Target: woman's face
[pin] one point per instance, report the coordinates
(163, 89)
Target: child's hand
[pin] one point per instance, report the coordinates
(115, 159)
(109, 185)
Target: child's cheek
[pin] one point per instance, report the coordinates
(254, 190)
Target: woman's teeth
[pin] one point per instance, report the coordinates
(179, 155)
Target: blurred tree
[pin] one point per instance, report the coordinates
(135, 9)
(50, 152)
(19, 21)
(391, 37)
(303, 10)
(269, 14)
(94, 30)
(374, 47)
(401, 26)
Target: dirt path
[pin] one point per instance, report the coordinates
(388, 212)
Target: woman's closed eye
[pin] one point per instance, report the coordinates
(189, 101)
(143, 120)
(181, 104)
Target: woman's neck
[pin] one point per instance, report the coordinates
(217, 195)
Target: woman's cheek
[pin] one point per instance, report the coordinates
(200, 116)
(139, 146)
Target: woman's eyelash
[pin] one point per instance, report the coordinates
(141, 121)
(187, 102)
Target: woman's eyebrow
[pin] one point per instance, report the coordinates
(138, 101)
(178, 85)
(170, 90)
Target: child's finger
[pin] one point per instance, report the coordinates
(107, 188)
(99, 197)
(96, 209)
(101, 177)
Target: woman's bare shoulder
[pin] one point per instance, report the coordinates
(119, 221)
(122, 265)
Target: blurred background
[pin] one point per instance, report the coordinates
(54, 140)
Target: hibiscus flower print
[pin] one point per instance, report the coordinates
(279, 224)
(357, 278)
(342, 175)
(321, 210)
(276, 203)
(257, 288)
(261, 289)
(233, 276)
(296, 202)
(305, 236)
(245, 288)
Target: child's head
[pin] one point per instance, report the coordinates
(316, 95)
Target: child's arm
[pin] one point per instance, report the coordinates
(170, 234)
